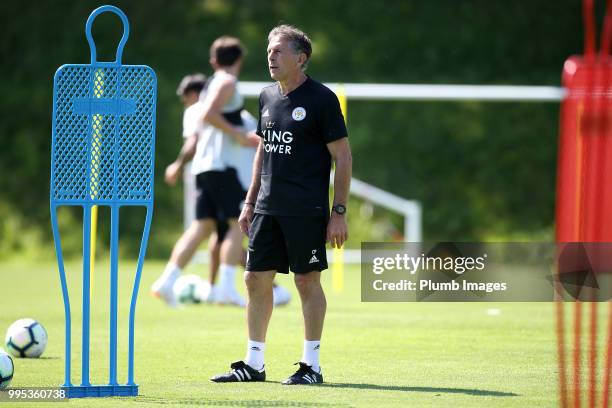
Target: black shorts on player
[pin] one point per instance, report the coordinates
(222, 228)
(218, 195)
(281, 243)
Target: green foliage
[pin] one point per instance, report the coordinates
(480, 170)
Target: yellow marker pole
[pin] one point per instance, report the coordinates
(96, 142)
(92, 248)
(338, 265)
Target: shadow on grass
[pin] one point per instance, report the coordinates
(438, 390)
(267, 403)
(233, 403)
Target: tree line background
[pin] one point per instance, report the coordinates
(482, 171)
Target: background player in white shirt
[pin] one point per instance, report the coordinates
(219, 190)
(192, 91)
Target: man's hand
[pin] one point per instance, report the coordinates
(253, 139)
(246, 216)
(245, 139)
(173, 172)
(337, 230)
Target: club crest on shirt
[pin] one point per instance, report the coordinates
(298, 114)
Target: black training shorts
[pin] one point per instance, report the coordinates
(222, 228)
(281, 243)
(218, 195)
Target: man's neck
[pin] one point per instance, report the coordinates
(292, 83)
(232, 70)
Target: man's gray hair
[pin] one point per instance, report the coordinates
(298, 40)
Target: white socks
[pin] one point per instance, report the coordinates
(255, 354)
(171, 272)
(162, 287)
(310, 355)
(227, 275)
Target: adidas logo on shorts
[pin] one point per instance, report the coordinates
(314, 258)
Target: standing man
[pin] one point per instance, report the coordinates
(286, 213)
(219, 190)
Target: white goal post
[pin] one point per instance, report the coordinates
(410, 92)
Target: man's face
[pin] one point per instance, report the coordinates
(189, 98)
(283, 61)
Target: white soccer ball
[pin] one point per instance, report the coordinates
(7, 368)
(280, 296)
(205, 292)
(26, 338)
(189, 289)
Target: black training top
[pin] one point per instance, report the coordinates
(296, 163)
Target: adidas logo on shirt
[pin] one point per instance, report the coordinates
(266, 113)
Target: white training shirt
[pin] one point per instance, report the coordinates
(191, 122)
(210, 148)
(241, 157)
(214, 150)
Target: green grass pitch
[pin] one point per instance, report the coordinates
(373, 354)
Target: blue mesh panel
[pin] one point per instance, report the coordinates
(69, 155)
(136, 154)
(103, 140)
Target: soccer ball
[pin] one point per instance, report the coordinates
(26, 338)
(6, 369)
(190, 289)
(280, 296)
